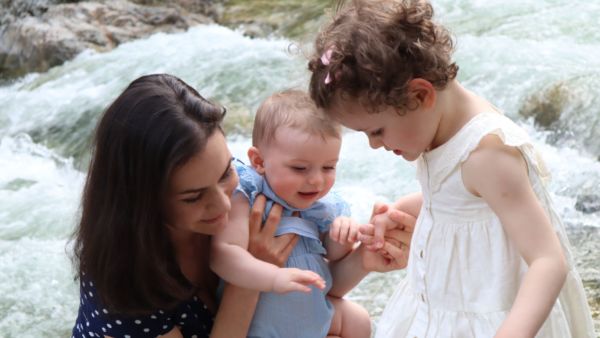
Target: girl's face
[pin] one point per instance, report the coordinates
(407, 135)
(299, 166)
(199, 193)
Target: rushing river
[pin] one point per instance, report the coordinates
(526, 56)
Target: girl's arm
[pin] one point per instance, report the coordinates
(498, 174)
(232, 262)
(237, 305)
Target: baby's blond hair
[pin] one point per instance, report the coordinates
(291, 108)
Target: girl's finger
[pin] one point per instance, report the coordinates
(406, 221)
(378, 208)
(400, 236)
(398, 254)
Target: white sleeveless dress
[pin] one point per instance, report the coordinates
(463, 272)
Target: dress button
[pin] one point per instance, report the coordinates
(422, 297)
(421, 253)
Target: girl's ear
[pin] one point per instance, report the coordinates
(422, 93)
(256, 160)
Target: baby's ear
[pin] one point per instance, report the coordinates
(256, 160)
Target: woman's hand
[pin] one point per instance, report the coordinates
(397, 229)
(262, 243)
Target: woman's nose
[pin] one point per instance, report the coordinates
(221, 199)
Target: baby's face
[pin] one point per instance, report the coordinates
(299, 166)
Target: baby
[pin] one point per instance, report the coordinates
(295, 149)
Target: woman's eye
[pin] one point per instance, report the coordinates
(227, 174)
(192, 199)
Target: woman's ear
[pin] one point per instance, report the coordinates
(256, 160)
(421, 93)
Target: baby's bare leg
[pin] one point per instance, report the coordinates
(350, 320)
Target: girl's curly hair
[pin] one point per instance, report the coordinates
(373, 48)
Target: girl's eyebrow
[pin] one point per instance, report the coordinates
(198, 190)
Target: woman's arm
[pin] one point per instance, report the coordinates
(498, 173)
(237, 304)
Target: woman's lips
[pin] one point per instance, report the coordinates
(214, 220)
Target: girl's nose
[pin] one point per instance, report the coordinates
(375, 142)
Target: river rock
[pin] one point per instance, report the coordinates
(37, 36)
(588, 203)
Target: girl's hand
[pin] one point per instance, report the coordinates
(262, 243)
(398, 227)
(344, 230)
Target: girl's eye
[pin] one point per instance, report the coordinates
(377, 132)
(329, 168)
(298, 168)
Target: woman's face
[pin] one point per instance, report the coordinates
(199, 193)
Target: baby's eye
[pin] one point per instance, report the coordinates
(329, 168)
(297, 168)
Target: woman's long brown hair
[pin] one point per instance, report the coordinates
(121, 242)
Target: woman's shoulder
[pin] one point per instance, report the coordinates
(191, 316)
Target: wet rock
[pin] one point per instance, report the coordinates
(588, 203)
(546, 106)
(35, 36)
(298, 19)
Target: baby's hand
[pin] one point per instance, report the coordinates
(292, 279)
(344, 230)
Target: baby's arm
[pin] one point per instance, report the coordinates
(232, 262)
(498, 173)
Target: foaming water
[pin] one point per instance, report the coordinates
(61, 107)
(515, 53)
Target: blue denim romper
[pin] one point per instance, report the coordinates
(295, 314)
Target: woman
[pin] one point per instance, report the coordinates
(159, 185)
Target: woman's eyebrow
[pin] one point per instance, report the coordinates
(198, 190)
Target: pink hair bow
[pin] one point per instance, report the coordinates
(326, 60)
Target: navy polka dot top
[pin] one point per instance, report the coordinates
(192, 317)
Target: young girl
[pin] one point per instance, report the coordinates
(293, 158)
(489, 256)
